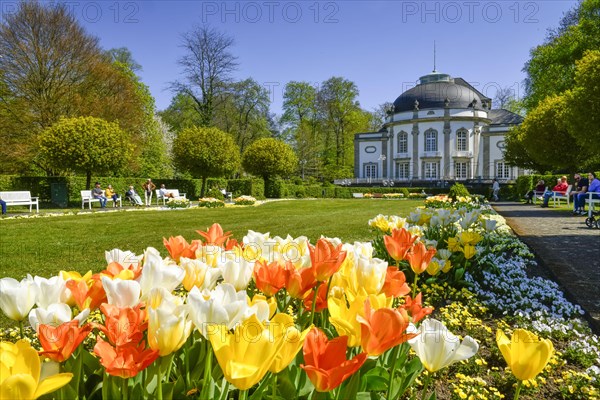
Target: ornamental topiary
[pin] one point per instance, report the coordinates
(458, 190)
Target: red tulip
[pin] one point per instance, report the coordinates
(178, 247)
(124, 361)
(399, 243)
(325, 361)
(326, 259)
(123, 325)
(382, 329)
(87, 294)
(214, 235)
(415, 308)
(59, 342)
(269, 278)
(419, 257)
(299, 281)
(395, 283)
(321, 298)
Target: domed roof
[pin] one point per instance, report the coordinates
(435, 90)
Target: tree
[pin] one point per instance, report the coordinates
(503, 96)
(181, 113)
(207, 66)
(206, 152)
(123, 55)
(379, 115)
(269, 158)
(85, 144)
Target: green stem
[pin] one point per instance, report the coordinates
(21, 329)
(394, 358)
(518, 391)
(337, 394)
(274, 385)
(314, 304)
(207, 371)
(243, 395)
(169, 365)
(426, 385)
(414, 291)
(125, 389)
(159, 394)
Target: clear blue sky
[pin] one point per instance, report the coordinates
(383, 46)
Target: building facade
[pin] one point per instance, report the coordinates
(441, 129)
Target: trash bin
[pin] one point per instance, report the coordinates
(59, 194)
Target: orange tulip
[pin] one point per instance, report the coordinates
(321, 299)
(214, 235)
(326, 363)
(269, 278)
(299, 281)
(123, 325)
(399, 243)
(61, 341)
(116, 270)
(382, 329)
(124, 361)
(326, 259)
(88, 294)
(415, 308)
(419, 257)
(395, 283)
(178, 247)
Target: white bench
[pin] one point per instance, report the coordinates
(357, 195)
(174, 192)
(86, 197)
(20, 199)
(591, 201)
(558, 196)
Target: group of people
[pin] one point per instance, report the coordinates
(148, 187)
(582, 187)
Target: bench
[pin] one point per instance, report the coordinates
(591, 201)
(174, 192)
(558, 196)
(538, 195)
(357, 195)
(20, 199)
(86, 197)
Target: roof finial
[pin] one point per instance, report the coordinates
(434, 71)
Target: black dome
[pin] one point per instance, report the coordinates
(435, 95)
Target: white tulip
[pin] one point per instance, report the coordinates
(50, 291)
(124, 258)
(437, 347)
(121, 293)
(223, 305)
(238, 272)
(17, 298)
(55, 315)
(156, 273)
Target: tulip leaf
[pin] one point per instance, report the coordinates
(351, 387)
(167, 390)
(285, 385)
(375, 379)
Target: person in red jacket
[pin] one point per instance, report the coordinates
(561, 187)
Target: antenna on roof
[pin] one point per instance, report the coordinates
(434, 71)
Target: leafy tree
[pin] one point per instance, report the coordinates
(379, 116)
(269, 158)
(181, 113)
(582, 109)
(123, 55)
(206, 152)
(503, 96)
(85, 144)
(207, 66)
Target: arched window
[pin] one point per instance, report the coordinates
(462, 140)
(431, 140)
(402, 142)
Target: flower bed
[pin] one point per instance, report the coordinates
(210, 202)
(244, 201)
(438, 302)
(181, 202)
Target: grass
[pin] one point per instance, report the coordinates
(44, 246)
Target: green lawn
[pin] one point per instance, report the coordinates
(44, 246)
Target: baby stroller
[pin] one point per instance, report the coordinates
(593, 221)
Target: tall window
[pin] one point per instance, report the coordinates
(460, 170)
(402, 169)
(462, 140)
(402, 142)
(431, 140)
(371, 170)
(502, 170)
(431, 169)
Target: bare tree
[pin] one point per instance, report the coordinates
(503, 96)
(207, 66)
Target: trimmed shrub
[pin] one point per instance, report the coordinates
(458, 190)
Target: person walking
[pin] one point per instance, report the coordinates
(495, 189)
(148, 187)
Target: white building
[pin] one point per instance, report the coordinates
(441, 129)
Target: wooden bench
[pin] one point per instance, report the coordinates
(86, 197)
(174, 192)
(566, 196)
(20, 199)
(590, 200)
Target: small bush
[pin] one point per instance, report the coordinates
(244, 201)
(215, 193)
(210, 202)
(458, 190)
(178, 203)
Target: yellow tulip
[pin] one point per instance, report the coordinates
(434, 267)
(282, 326)
(469, 237)
(168, 328)
(469, 251)
(453, 244)
(525, 353)
(245, 355)
(20, 370)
